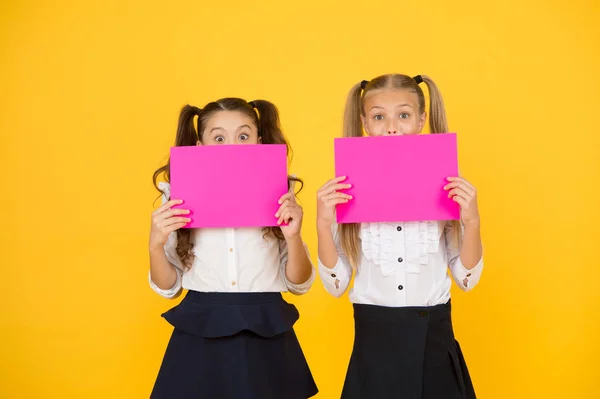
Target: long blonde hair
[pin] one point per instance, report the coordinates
(353, 127)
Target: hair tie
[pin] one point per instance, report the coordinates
(364, 84)
(252, 104)
(418, 79)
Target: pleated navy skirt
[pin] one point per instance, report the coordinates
(233, 346)
(407, 353)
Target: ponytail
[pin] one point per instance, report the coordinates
(352, 122)
(269, 128)
(349, 232)
(187, 135)
(437, 113)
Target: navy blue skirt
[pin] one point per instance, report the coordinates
(407, 352)
(233, 346)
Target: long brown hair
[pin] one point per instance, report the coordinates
(353, 127)
(266, 118)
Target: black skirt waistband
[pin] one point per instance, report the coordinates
(233, 298)
(217, 314)
(375, 313)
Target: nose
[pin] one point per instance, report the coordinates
(391, 129)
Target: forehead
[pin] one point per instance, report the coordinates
(229, 120)
(390, 98)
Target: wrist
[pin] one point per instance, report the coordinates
(472, 225)
(323, 226)
(156, 248)
(294, 239)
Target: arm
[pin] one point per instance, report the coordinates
(298, 271)
(334, 268)
(164, 276)
(466, 262)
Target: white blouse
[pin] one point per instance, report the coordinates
(401, 264)
(231, 260)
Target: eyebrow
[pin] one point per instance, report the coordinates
(216, 128)
(397, 106)
(220, 128)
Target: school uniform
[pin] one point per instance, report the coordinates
(233, 334)
(404, 345)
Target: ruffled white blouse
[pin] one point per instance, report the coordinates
(401, 264)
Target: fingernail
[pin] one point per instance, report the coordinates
(189, 220)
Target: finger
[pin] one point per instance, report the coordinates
(174, 227)
(280, 210)
(333, 182)
(294, 213)
(170, 213)
(333, 189)
(284, 206)
(174, 220)
(167, 205)
(285, 197)
(336, 195)
(461, 201)
(460, 192)
(461, 179)
(286, 216)
(462, 186)
(336, 201)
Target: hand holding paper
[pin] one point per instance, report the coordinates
(328, 197)
(463, 193)
(290, 213)
(165, 221)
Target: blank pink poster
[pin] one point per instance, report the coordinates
(229, 185)
(397, 178)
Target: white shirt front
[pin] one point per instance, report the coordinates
(401, 264)
(231, 260)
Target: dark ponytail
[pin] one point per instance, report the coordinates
(187, 135)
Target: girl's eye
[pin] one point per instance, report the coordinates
(378, 117)
(244, 136)
(404, 115)
(219, 139)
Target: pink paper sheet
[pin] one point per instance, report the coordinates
(397, 178)
(229, 185)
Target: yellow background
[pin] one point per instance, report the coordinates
(90, 94)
